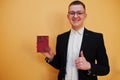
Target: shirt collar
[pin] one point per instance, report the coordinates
(80, 31)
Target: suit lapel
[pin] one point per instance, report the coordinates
(84, 40)
(66, 40)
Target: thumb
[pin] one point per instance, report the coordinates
(81, 54)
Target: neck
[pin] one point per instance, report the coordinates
(76, 28)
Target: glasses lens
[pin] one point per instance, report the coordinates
(77, 13)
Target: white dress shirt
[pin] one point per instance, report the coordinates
(73, 52)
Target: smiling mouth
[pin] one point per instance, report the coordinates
(76, 19)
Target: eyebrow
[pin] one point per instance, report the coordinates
(76, 11)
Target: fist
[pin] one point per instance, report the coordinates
(81, 62)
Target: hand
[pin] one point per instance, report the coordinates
(82, 63)
(49, 54)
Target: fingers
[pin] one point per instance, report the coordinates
(78, 63)
(81, 62)
(78, 60)
(81, 58)
(49, 54)
(81, 54)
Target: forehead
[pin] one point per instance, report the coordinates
(76, 8)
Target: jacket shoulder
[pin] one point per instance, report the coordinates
(92, 33)
(64, 34)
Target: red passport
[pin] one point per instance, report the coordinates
(42, 43)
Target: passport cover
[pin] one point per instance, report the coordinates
(42, 43)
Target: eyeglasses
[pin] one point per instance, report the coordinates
(77, 13)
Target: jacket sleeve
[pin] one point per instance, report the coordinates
(101, 67)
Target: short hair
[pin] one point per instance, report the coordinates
(77, 2)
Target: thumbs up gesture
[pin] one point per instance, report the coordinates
(82, 63)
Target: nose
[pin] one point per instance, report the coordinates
(75, 15)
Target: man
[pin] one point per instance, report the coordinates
(80, 53)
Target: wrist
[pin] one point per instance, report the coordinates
(89, 69)
(47, 60)
(89, 72)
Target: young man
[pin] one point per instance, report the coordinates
(80, 53)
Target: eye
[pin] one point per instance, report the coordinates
(79, 13)
(71, 13)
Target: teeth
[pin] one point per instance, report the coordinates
(76, 19)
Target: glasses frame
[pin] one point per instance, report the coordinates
(78, 13)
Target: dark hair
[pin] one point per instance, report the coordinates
(77, 2)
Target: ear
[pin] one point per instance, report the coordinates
(68, 16)
(85, 15)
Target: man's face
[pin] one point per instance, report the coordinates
(76, 16)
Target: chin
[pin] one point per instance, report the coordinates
(76, 25)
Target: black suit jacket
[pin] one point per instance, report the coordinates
(94, 52)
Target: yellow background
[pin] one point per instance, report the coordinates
(22, 20)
